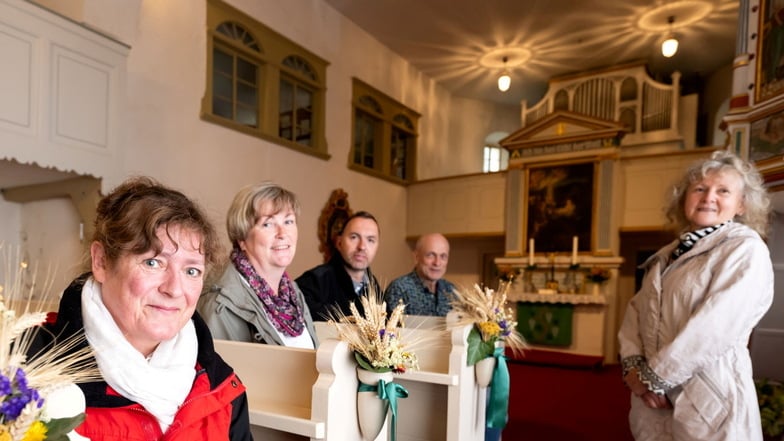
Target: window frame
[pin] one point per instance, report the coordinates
(273, 49)
(388, 113)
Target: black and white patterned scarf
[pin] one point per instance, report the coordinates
(689, 238)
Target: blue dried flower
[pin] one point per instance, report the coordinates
(18, 395)
(5, 385)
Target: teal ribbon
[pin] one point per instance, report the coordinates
(498, 401)
(389, 392)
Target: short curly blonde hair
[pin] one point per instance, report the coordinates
(755, 197)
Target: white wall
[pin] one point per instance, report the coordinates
(715, 101)
(10, 222)
(50, 235)
(459, 151)
(165, 138)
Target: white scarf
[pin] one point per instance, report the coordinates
(160, 385)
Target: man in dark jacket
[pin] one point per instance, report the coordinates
(347, 275)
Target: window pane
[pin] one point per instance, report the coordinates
(495, 159)
(285, 110)
(222, 62)
(246, 94)
(221, 107)
(246, 71)
(398, 153)
(304, 112)
(247, 116)
(286, 96)
(221, 86)
(364, 149)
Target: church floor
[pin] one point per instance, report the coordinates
(555, 403)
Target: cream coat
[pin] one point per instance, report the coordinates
(692, 321)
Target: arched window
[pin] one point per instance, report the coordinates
(494, 157)
(235, 76)
(262, 84)
(296, 96)
(385, 135)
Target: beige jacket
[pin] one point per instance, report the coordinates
(691, 321)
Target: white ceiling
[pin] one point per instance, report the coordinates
(446, 39)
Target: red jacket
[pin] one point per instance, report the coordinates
(216, 408)
(205, 415)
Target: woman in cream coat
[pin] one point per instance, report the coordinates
(683, 340)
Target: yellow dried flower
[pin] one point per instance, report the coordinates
(36, 432)
(489, 330)
(486, 310)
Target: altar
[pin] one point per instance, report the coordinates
(569, 316)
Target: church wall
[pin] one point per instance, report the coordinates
(715, 103)
(53, 243)
(646, 182)
(10, 222)
(164, 137)
(469, 122)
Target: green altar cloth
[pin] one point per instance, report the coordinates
(545, 323)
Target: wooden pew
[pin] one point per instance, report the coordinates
(297, 394)
(444, 402)
(301, 394)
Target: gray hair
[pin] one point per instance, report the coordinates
(755, 197)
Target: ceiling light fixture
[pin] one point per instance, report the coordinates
(504, 81)
(670, 45)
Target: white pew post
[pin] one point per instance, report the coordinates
(335, 392)
(467, 401)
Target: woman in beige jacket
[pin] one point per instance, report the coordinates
(683, 340)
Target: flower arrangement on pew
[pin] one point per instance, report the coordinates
(379, 351)
(39, 399)
(493, 321)
(374, 338)
(493, 330)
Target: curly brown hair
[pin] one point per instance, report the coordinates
(128, 218)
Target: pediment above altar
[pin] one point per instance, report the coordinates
(563, 127)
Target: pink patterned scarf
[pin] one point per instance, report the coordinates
(283, 309)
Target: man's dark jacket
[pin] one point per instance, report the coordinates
(328, 286)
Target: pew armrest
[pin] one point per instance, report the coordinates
(286, 418)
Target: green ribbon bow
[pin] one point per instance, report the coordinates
(498, 402)
(390, 392)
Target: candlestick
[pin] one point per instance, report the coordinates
(574, 250)
(530, 252)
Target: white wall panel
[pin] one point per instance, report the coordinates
(81, 100)
(16, 49)
(63, 90)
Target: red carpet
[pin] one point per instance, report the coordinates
(582, 401)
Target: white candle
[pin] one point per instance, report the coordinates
(530, 252)
(574, 250)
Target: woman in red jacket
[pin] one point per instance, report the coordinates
(162, 379)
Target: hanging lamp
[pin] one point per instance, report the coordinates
(670, 44)
(504, 81)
